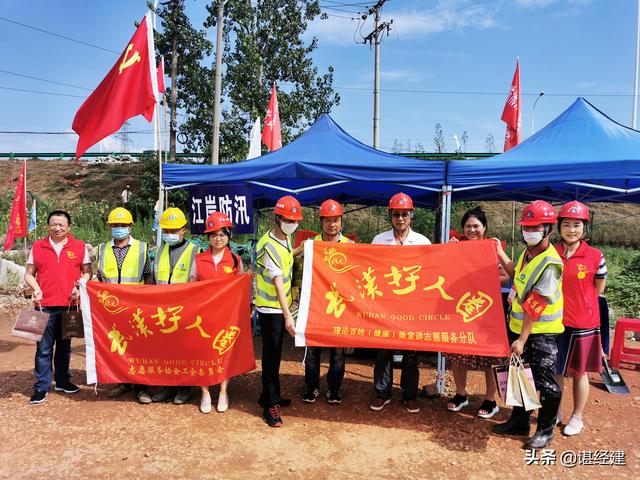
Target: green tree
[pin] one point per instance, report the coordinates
(438, 139)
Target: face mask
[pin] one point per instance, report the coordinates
(532, 238)
(170, 238)
(288, 228)
(119, 233)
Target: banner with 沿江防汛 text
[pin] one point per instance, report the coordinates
(191, 334)
(430, 297)
(236, 201)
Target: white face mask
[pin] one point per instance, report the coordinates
(532, 238)
(288, 228)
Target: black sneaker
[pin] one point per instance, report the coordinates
(334, 397)
(38, 396)
(272, 416)
(67, 387)
(310, 395)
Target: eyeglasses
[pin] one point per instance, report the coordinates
(400, 215)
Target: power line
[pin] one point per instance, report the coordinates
(43, 80)
(59, 35)
(41, 93)
(459, 92)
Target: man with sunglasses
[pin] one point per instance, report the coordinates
(401, 215)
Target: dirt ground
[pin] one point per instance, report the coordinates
(90, 436)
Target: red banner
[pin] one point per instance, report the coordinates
(185, 334)
(271, 134)
(511, 113)
(18, 219)
(433, 297)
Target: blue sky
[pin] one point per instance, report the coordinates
(567, 48)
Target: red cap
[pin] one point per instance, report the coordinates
(576, 210)
(538, 212)
(289, 208)
(216, 221)
(401, 201)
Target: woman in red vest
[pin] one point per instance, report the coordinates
(217, 262)
(583, 279)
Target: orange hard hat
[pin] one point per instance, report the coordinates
(401, 201)
(289, 208)
(576, 210)
(216, 221)
(330, 208)
(538, 212)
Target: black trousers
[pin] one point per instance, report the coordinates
(383, 374)
(335, 374)
(541, 352)
(272, 332)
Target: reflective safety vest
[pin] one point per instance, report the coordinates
(282, 256)
(343, 239)
(550, 320)
(132, 268)
(162, 271)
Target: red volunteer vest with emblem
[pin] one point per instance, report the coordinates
(57, 275)
(207, 270)
(579, 292)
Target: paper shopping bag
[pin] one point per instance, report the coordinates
(71, 323)
(527, 386)
(514, 394)
(30, 324)
(501, 375)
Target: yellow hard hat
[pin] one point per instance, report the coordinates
(120, 215)
(172, 218)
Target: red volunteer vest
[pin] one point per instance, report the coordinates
(579, 292)
(57, 275)
(207, 269)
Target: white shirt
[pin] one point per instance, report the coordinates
(388, 238)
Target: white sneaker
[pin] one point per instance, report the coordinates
(205, 404)
(223, 403)
(574, 426)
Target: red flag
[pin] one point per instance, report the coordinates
(271, 135)
(129, 89)
(18, 220)
(161, 86)
(511, 113)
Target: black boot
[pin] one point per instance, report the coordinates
(546, 422)
(518, 424)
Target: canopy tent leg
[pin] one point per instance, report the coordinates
(445, 226)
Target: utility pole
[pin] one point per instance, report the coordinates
(175, 5)
(215, 142)
(635, 78)
(374, 38)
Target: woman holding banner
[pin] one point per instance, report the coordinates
(216, 262)
(474, 226)
(584, 278)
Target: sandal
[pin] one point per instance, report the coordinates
(490, 407)
(459, 401)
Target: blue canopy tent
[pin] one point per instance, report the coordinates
(324, 162)
(582, 154)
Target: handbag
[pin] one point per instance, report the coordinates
(71, 323)
(30, 324)
(500, 375)
(527, 386)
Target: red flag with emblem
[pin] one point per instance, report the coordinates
(129, 89)
(18, 219)
(271, 135)
(511, 113)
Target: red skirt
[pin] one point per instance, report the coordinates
(579, 351)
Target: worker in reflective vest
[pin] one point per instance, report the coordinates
(274, 264)
(124, 260)
(173, 263)
(535, 319)
(330, 214)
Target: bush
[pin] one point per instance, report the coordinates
(623, 285)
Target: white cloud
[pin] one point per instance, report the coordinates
(586, 85)
(546, 3)
(446, 15)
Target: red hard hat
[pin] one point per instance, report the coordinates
(330, 208)
(576, 210)
(216, 221)
(538, 212)
(289, 208)
(401, 201)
